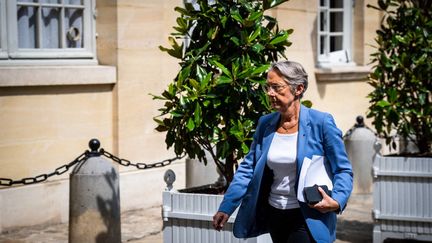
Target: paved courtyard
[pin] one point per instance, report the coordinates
(145, 226)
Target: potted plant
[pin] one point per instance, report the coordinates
(401, 104)
(214, 102)
(225, 48)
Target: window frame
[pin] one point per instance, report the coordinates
(88, 52)
(3, 31)
(341, 57)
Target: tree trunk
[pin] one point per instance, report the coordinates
(230, 163)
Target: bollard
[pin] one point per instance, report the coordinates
(360, 146)
(94, 202)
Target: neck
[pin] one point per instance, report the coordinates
(292, 113)
(290, 119)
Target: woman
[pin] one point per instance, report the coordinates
(269, 182)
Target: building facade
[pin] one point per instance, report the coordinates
(72, 70)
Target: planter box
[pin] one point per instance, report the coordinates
(402, 195)
(187, 217)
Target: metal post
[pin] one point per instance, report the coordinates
(94, 209)
(169, 178)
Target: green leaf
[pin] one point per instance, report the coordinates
(383, 103)
(272, 3)
(245, 148)
(279, 39)
(181, 10)
(236, 15)
(197, 114)
(307, 103)
(255, 16)
(190, 124)
(393, 117)
(158, 121)
(401, 39)
(206, 103)
(184, 73)
(212, 33)
(392, 95)
(223, 68)
(157, 97)
(224, 20)
(206, 80)
(182, 101)
(272, 23)
(176, 114)
(200, 72)
(261, 69)
(224, 80)
(176, 51)
(194, 84)
(162, 128)
(170, 93)
(189, 7)
(258, 47)
(254, 34)
(235, 40)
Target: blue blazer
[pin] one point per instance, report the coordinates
(318, 135)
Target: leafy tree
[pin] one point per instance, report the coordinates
(225, 48)
(402, 75)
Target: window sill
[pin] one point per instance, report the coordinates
(14, 76)
(342, 74)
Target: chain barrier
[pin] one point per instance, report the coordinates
(43, 177)
(140, 166)
(94, 145)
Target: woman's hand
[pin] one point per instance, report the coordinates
(327, 204)
(219, 220)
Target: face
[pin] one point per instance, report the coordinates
(280, 93)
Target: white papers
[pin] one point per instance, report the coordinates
(313, 172)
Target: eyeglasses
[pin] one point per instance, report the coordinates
(274, 87)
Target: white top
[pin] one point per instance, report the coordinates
(281, 158)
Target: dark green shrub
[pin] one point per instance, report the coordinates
(402, 74)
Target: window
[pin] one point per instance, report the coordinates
(334, 32)
(3, 40)
(47, 29)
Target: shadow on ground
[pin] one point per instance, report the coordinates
(354, 231)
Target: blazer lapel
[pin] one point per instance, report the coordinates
(303, 134)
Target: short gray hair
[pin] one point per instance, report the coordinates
(293, 74)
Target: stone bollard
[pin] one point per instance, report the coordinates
(94, 204)
(360, 146)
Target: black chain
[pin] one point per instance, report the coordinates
(84, 156)
(141, 166)
(43, 177)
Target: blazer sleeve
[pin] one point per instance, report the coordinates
(242, 177)
(338, 159)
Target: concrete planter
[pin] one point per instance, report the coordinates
(187, 217)
(402, 194)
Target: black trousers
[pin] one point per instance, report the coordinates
(287, 226)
